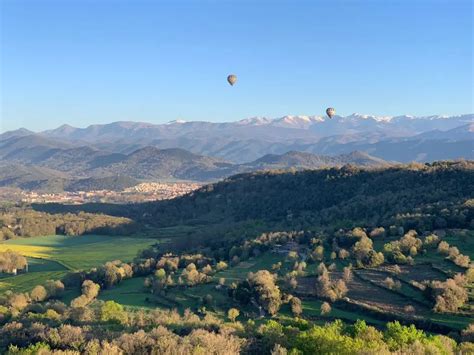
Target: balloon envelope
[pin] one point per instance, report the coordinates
(330, 112)
(232, 79)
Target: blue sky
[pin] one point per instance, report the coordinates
(93, 61)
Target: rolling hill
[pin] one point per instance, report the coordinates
(84, 168)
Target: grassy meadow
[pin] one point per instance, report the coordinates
(51, 257)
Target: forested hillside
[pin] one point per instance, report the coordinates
(413, 195)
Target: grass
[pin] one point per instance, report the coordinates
(79, 253)
(51, 257)
(128, 293)
(312, 308)
(39, 270)
(26, 282)
(240, 271)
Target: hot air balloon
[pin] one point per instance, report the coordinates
(330, 112)
(232, 79)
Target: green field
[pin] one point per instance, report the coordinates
(129, 293)
(26, 282)
(79, 253)
(240, 271)
(50, 257)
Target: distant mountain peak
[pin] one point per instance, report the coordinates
(178, 121)
(20, 132)
(255, 121)
(370, 117)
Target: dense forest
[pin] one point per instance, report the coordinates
(329, 197)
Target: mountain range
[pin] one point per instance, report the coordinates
(400, 138)
(205, 151)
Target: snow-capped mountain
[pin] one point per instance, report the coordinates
(251, 138)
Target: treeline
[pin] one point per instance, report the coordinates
(26, 222)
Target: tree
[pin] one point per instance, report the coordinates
(321, 269)
(347, 274)
(398, 335)
(409, 243)
(296, 308)
(232, 314)
(443, 247)
(373, 259)
(293, 255)
(18, 301)
(207, 269)
(268, 293)
(318, 253)
(462, 260)
(111, 311)
(292, 282)
(362, 248)
(38, 294)
(279, 350)
(325, 308)
(377, 232)
(470, 275)
(449, 295)
(276, 266)
(160, 274)
(81, 314)
(55, 288)
(221, 265)
(340, 288)
(343, 254)
(392, 284)
(358, 233)
(90, 289)
(11, 261)
(80, 301)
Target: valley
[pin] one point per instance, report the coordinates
(386, 245)
(236, 177)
